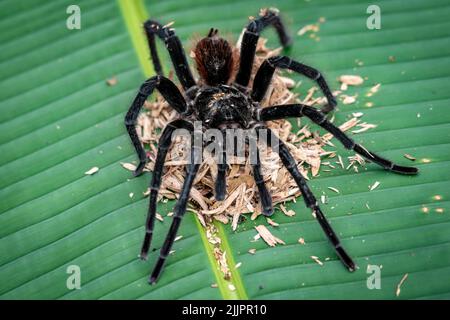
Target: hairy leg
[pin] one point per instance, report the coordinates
(175, 48)
(309, 198)
(221, 183)
(318, 117)
(269, 17)
(179, 211)
(172, 95)
(163, 147)
(264, 194)
(264, 77)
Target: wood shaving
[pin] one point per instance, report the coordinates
(289, 213)
(159, 217)
(374, 89)
(252, 251)
(397, 292)
(351, 80)
(364, 127)
(316, 259)
(356, 160)
(341, 162)
(168, 25)
(128, 166)
(272, 223)
(313, 28)
(374, 186)
(349, 99)
(111, 81)
(301, 241)
(92, 171)
(308, 27)
(219, 254)
(267, 236)
(334, 189)
(410, 157)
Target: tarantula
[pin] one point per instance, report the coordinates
(221, 102)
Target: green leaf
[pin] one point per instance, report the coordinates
(59, 118)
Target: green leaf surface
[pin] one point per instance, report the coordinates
(59, 118)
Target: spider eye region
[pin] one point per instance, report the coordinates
(222, 105)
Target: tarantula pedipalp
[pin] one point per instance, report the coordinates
(220, 102)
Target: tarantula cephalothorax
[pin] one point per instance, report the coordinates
(219, 102)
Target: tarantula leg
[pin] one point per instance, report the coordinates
(264, 194)
(221, 183)
(163, 147)
(250, 38)
(318, 117)
(179, 211)
(175, 48)
(170, 93)
(289, 162)
(264, 77)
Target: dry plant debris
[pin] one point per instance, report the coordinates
(306, 146)
(373, 90)
(219, 254)
(272, 223)
(351, 80)
(397, 292)
(267, 236)
(111, 81)
(316, 259)
(309, 27)
(92, 171)
(128, 166)
(312, 29)
(374, 186)
(348, 99)
(333, 189)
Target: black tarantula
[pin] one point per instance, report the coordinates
(221, 102)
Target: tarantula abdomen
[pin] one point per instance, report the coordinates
(214, 58)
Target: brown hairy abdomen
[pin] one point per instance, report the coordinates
(214, 59)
